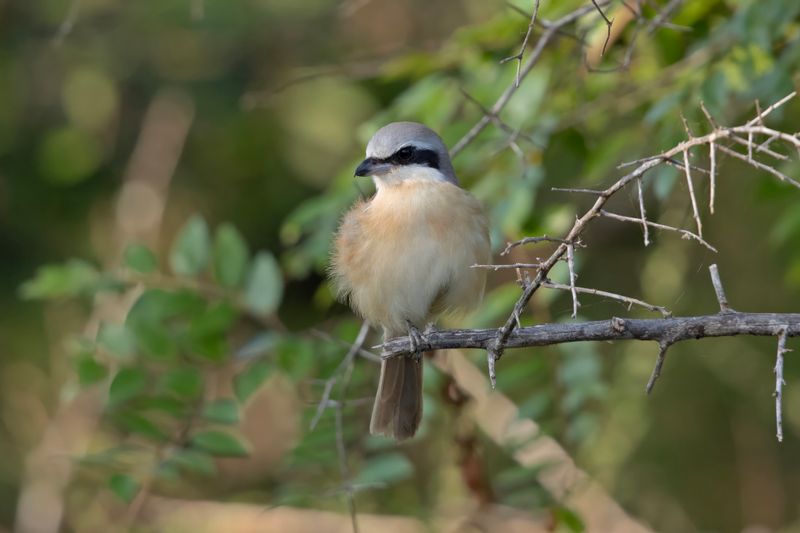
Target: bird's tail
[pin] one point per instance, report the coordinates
(398, 403)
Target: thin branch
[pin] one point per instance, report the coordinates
(510, 266)
(518, 57)
(572, 276)
(759, 165)
(712, 154)
(663, 346)
(645, 229)
(613, 296)
(582, 191)
(529, 240)
(718, 290)
(685, 233)
(608, 27)
(672, 330)
(779, 383)
(690, 185)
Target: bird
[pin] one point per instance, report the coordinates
(403, 258)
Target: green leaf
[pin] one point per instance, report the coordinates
(128, 383)
(223, 411)
(117, 339)
(73, 278)
(250, 380)
(264, 288)
(124, 486)
(140, 258)
(89, 371)
(138, 423)
(386, 468)
(184, 382)
(568, 518)
(194, 461)
(190, 251)
(219, 443)
(208, 331)
(155, 341)
(230, 256)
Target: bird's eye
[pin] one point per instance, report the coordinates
(404, 154)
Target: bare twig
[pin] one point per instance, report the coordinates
(608, 27)
(686, 233)
(509, 266)
(718, 290)
(518, 56)
(690, 185)
(663, 346)
(583, 191)
(645, 229)
(571, 268)
(779, 383)
(529, 240)
(712, 154)
(548, 284)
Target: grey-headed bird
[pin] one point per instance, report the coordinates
(403, 257)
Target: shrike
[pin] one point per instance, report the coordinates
(404, 256)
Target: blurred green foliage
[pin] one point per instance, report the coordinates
(280, 98)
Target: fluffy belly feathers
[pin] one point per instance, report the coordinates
(406, 254)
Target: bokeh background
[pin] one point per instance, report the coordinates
(119, 121)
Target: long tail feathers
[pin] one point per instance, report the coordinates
(398, 403)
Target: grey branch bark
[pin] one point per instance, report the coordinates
(662, 330)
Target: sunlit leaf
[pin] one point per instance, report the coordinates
(73, 278)
(190, 251)
(264, 288)
(140, 258)
(220, 444)
(117, 339)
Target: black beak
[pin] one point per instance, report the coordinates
(365, 168)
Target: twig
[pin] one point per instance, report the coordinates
(712, 154)
(68, 24)
(518, 57)
(608, 27)
(663, 346)
(583, 191)
(529, 240)
(761, 166)
(571, 268)
(690, 185)
(508, 266)
(645, 229)
(686, 233)
(613, 296)
(779, 383)
(718, 290)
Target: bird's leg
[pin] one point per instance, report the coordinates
(415, 340)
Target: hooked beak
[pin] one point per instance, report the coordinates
(372, 167)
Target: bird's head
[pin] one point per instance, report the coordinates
(406, 150)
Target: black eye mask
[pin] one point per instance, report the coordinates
(411, 155)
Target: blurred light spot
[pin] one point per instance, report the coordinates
(139, 207)
(663, 273)
(90, 98)
(68, 155)
(321, 117)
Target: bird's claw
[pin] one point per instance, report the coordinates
(416, 341)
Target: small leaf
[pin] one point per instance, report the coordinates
(140, 258)
(126, 384)
(194, 461)
(220, 444)
(184, 382)
(138, 423)
(386, 468)
(230, 256)
(248, 381)
(155, 340)
(73, 278)
(264, 288)
(89, 371)
(124, 486)
(190, 251)
(568, 518)
(223, 411)
(117, 339)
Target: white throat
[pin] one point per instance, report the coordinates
(409, 173)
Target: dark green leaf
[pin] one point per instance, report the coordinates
(89, 371)
(128, 383)
(155, 340)
(139, 423)
(219, 443)
(184, 382)
(230, 256)
(223, 411)
(124, 486)
(140, 258)
(248, 381)
(569, 518)
(385, 468)
(194, 461)
(264, 288)
(190, 251)
(73, 278)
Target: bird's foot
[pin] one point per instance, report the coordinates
(416, 340)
